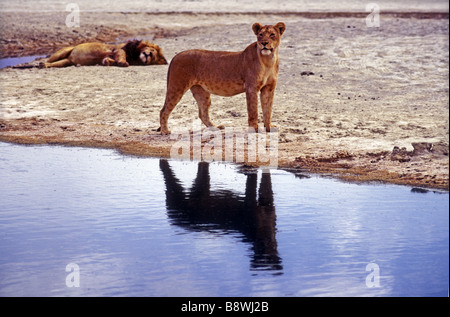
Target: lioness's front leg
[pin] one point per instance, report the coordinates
(252, 108)
(267, 94)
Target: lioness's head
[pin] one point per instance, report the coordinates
(144, 53)
(269, 37)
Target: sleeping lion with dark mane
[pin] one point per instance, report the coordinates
(133, 52)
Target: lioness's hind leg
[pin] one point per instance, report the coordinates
(173, 96)
(203, 99)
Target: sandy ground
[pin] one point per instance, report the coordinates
(374, 107)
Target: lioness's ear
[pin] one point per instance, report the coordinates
(256, 27)
(281, 27)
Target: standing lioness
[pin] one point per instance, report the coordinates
(227, 74)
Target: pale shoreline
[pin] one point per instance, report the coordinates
(375, 91)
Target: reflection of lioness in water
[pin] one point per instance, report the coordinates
(131, 53)
(251, 71)
(202, 208)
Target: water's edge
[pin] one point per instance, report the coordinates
(138, 226)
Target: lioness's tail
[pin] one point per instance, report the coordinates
(61, 54)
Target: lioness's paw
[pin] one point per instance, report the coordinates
(272, 128)
(164, 131)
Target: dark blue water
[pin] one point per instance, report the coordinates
(129, 226)
(13, 61)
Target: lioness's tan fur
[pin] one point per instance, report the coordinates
(251, 71)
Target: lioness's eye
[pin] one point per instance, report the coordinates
(272, 35)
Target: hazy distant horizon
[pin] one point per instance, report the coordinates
(225, 5)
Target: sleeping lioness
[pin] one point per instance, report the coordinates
(133, 52)
(251, 71)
